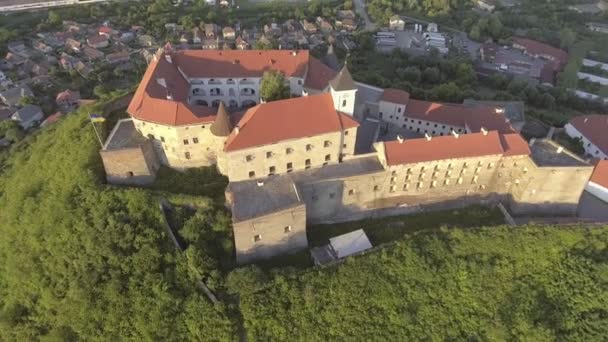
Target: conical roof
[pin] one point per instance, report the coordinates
(221, 127)
(343, 81)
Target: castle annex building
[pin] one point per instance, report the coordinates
(299, 161)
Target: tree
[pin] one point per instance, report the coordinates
(273, 86)
(54, 18)
(11, 130)
(431, 75)
(567, 37)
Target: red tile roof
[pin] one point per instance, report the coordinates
(536, 48)
(395, 96)
(318, 75)
(294, 118)
(459, 115)
(150, 101)
(443, 147)
(600, 173)
(594, 128)
(514, 145)
(241, 63)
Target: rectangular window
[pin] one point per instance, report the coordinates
(268, 154)
(433, 184)
(162, 139)
(257, 238)
(421, 176)
(420, 185)
(343, 103)
(393, 188)
(327, 143)
(343, 145)
(288, 150)
(351, 192)
(490, 165)
(249, 157)
(186, 142)
(195, 140)
(345, 132)
(393, 179)
(376, 188)
(327, 157)
(287, 229)
(187, 155)
(406, 186)
(475, 178)
(332, 195)
(271, 170)
(251, 174)
(446, 182)
(308, 147)
(307, 164)
(459, 180)
(289, 167)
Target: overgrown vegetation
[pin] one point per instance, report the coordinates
(495, 284)
(79, 260)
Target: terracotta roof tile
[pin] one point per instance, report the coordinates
(241, 63)
(270, 122)
(600, 173)
(443, 147)
(594, 128)
(514, 145)
(318, 75)
(150, 101)
(459, 115)
(397, 96)
(536, 48)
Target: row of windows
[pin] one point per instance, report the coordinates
(289, 166)
(289, 150)
(450, 167)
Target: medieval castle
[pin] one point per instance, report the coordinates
(313, 158)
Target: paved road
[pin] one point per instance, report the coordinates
(360, 9)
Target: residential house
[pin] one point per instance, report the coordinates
(185, 38)
(92, 54)
(73, 45)
(51, 119)
(28, 116)
(68, 62)
(98, 42)
(83, 69)
(12, 97)
(13, 60)
(241, 44)
(210, 44)
(346, 14)
(5, 113)
(118, 57)
(210, 30)
(197, 35)
(486, 5)
(42, 47)
(324, 25)
(347, 23)
(597, 27)
(67, 99)
(106, 31)
(37, 69)
(5, 82)
(396, 23)
(127, 37)
(291, 25)
(558, 57)
(228, 33)
(308, 26)
(17, 47)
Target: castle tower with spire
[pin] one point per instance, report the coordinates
(344, 92)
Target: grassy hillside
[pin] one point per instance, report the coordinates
(494, 284)
(82, 260)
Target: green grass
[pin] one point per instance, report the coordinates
(388, 229)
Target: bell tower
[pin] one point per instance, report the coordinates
(344, 92)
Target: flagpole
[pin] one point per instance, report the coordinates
(95, 129)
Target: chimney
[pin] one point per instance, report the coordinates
(161, 82)
(484, 131)
(427, 136)
(236, 129)
(456, 135)
(560, 149)
(294, 53)
(532, 141)
(399, 139)
(169, 96)
(168, 58)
